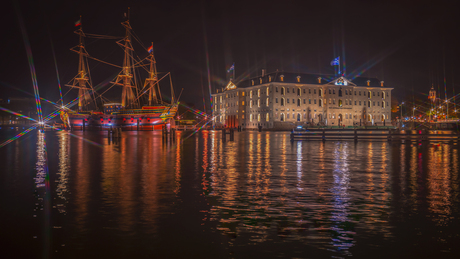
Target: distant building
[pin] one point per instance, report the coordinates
(282, 100)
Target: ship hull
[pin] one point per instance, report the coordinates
(147, 118)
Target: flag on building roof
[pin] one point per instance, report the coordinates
(231, 68)
(150, 49)
(78, 23)
(336, 61)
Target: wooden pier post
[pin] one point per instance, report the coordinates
(224, 135)
(356, 135)
(324, 135)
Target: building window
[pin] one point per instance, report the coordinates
(340, 92)
(330, 101)
(373, 93)
(369, 104)
(250, 94)
(288, 100)
(346, 102)
(346, 92)
(314, 101)
(282, 101)
(383, 95)
(298, 79)
(242, 93)
(258, 92)
(378, 93)
(378, 103)
(242, 116)
(330, 116)
(333, 101)
(304, 101)
(340, 102)
(298, 102)
(260, 80)
(333, 91)
(269, 78)
(304, 90)
(250, 104)
(267, 117)
(258, 117)
(288, 90)
(258, 102)
(283, 91)
(320, 92)
(276, 100)
(309, 90)
(252, 82)
(355, 92)
(309, 101)
(330, 91)
(221, 98)
(288, 116)
(314, 91)
(299, 91)
(242, 103)
(267, 103)
(268, 91)
(282, 78)
(369, 94)
(276, 89)
(320, 102)
(373, 103)
(282, 117)
(346, 116)
(250, 117)
(355, 102)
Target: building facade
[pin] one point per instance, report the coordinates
(283, 100)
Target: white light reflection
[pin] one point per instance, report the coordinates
(342, 238)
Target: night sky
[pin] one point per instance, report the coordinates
(410, 45)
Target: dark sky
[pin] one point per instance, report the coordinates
(408, 44)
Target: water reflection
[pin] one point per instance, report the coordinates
(259, 193)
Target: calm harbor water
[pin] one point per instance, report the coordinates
(260, 196)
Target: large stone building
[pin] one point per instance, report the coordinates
(282, 100)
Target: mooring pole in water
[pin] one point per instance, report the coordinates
(224, 135)
(84, 124)
(356, 135)
(324, 135)
(138, 124)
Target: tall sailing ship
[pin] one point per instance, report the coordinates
(139, 106)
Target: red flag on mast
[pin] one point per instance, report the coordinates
(78, 23)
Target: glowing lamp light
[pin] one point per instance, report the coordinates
(41, 122)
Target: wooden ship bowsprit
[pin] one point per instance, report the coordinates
(139, 106)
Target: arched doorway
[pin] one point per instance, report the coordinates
(282, 117)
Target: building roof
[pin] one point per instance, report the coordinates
(305, 78)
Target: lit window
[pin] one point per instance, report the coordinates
(258, 117)
(282, 101)
(250, 94)
(298, 79)
(267, 103)
(260, 80)
(258, 92)
(268, 91)
(242, 93)
(340, 102)
(250, 117)
(282, 78)
(242, 103)
(267, 118)
(252, 82)
(299, 91)
(250, 104)
(283, 91)
(298, 102)
(258, 102)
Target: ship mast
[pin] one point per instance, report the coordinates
(152, 80)
(81, 80)
(126, 76)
